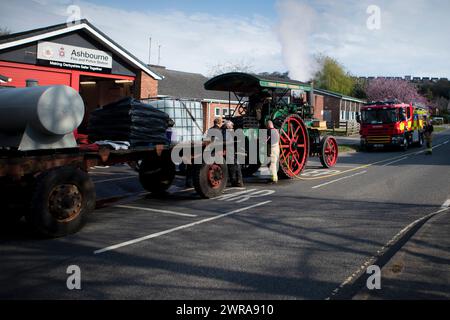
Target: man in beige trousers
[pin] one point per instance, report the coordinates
(274, 138)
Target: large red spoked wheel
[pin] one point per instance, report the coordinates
(294, 146)
(329, 152)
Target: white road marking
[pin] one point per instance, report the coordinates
(387, 164)
(340, 179)
(372, 260)
(319, 172)
(115, 179)
(176, 189)
(234, 188)
(157, 211)
(446, 142)
(440, 145)
(227, 196)
(158, 234)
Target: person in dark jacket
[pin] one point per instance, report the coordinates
(234, 169)
(428, 134)
(218, 125)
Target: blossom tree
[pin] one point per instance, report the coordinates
(390, 89)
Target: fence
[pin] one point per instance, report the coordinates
(349, 128)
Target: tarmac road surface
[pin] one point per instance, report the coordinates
(303, 239)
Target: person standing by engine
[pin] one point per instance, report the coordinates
(274, 139)
(428, 134)
(234, 169)
(215, 129)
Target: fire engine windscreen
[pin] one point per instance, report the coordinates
(379, 116)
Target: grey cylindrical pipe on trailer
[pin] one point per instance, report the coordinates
(55, 110)
(36, 118)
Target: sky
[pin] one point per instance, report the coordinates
(369, 37)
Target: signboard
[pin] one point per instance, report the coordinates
(71, 57)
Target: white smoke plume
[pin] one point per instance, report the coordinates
(294, 28)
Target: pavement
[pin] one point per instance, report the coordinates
(420, 269)
(310, 238)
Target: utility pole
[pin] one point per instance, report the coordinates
(150, 51)
(159, 55)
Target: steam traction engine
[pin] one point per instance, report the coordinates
(282, 101)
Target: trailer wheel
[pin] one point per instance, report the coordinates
(157, 175)
(329, 152)
(61, 201)
(210, 179)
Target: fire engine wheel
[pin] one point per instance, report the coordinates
(294, 145)
(210, 179)
(156, 175)
(61, 201)
(329, 152)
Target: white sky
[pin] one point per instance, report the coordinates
(413, 39)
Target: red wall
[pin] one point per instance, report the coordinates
(47, 76)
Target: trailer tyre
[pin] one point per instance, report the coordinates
(157, 175)
(61, 202)
(210, 179)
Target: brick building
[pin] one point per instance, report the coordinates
(190, 86)
(77, 55)
(336, 108)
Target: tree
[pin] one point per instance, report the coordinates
(360, 89)
(4, 31)
(436, 90)
(389, 89)
(332, 76)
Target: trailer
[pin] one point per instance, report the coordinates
(44, 172)
(54, 192)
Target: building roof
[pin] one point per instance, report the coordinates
(246, 83)
(186, 85)
(20, 38)
(338, 95)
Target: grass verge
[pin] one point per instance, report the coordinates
(344, 148)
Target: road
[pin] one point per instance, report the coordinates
(303, 239)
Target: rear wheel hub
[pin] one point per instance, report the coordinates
(215, 175)
(65, 202)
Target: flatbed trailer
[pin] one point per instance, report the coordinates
(54, 192)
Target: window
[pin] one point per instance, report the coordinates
(225, 112)
(217, 112)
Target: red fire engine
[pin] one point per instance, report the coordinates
(391, 123)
